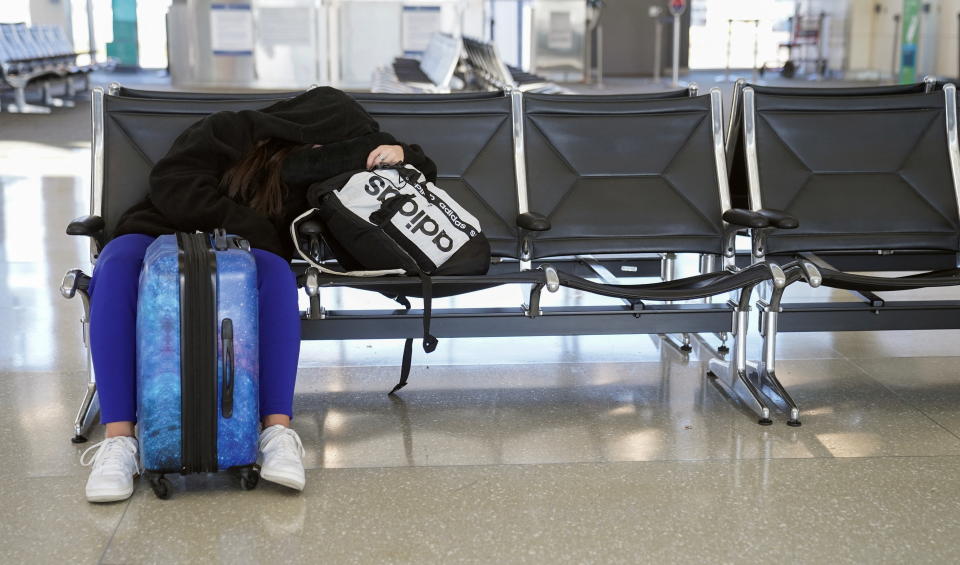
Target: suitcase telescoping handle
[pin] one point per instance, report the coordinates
(226, 392)
(220, 242)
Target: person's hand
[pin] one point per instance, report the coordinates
(385, 155)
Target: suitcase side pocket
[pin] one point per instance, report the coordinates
(226, 392)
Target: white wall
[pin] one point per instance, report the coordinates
(837, 22)
(339, 42)
(50, 12)
(873, 38)
(15, 11)
(946, 62)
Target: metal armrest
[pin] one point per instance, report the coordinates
(90, 226)
(779, 219)
(529, 222)
(764, 218)
(310, 228)
(312, 231)
(86, 225)
(760, 222)
(533, 222)
(746, 218)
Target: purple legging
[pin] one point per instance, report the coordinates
(113, 328)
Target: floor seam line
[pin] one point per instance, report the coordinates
(113, 534)
(656, 461)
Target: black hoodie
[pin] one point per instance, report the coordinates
(184, 186)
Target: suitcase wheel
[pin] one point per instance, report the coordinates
(161, 487)
(249, 477)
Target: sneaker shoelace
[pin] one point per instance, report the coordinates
(288, 434)
(109, 450)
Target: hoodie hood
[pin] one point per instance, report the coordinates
(320, 115)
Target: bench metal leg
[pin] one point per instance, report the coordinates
(765, 373)
(49, 99)
(668, 272)
(711, 263)
(89, 408)
(20, 105)
(732, 373)
(723, 337)
(683, 344)
(90, 403)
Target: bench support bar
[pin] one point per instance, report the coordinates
(20, 105)
(513, 322)
(732, 373)
(858, 316)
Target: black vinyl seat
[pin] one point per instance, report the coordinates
(859, 173)
(623, 175)
(408, 70)
(471, 141)
(138, 132)
(736, 157)
(870, 260)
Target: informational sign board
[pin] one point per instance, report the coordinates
(419, 23)
(910, 38)
(678, 7)
(287, 25)
(560, 35)
(231, 29)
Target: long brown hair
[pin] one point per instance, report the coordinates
(256, 180)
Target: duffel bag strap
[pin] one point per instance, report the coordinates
(313, 263)
(429, 341)
(407, 350)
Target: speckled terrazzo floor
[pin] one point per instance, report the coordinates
(539, 450)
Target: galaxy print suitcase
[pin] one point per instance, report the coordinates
(197, 358)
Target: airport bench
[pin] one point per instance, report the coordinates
(491, 72)
(432, 73)
(610, 175)
(42, 55)
(869, 174)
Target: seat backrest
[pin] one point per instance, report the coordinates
(736, 156)
(881, 90)
(29, 42)
(40, 38)
(858, 172)
(618, 174)
(485, 59)
(441, 58)
(470, 139)
(138, 132)
(14, 47)
(59, 39)
(264, 95)
(180, 95)
(424, 96)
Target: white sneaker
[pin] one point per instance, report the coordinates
(115, 466)
(281, 457)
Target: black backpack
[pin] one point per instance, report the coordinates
(392, 221)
